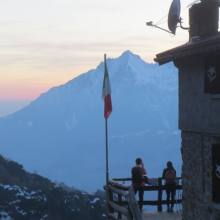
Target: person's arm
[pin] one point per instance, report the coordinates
(144, 174)
(176, 180)
(132, 172)
(175, 172)
(163, 175)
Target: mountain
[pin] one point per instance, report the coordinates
(61, 134)
(27, 196)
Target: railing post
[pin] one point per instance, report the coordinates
(109, 197)
(120, 203)
(111, 200)
(160, 193)
(133, 206)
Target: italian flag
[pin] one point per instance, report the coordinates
(106, 92)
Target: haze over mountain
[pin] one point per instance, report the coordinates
(61, 134)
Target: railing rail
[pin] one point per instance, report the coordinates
(121, 199)
(157, 184)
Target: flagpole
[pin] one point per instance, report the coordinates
(106, 142)
(106, 93)
(106, 150)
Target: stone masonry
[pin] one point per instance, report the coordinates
(197, 177)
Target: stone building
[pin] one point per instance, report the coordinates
(198, 62)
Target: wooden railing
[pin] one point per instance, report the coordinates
(121, 199)
(121, 202)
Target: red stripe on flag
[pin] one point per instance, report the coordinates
(108, 106)
(106, 92)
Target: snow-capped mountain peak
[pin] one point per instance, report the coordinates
(61, 134)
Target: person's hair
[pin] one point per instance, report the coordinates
(138, 161)
(169, 164)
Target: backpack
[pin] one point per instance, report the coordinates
(170, 176)
(137, 177)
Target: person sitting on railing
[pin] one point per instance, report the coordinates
(169, 174)
(138, 173)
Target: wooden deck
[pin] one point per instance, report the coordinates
(162, 216)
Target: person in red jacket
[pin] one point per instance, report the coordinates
(138, 173)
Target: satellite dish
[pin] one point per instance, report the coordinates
(174, 16)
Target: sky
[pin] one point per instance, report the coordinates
(45, 43)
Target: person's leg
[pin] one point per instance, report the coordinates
(173, 194)
(135, 191)
(141, 198)
(168, 192)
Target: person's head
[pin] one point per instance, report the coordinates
(138, 161)
(169, 164)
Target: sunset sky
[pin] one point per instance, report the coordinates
(45, 43)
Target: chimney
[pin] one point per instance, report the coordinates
(203, 19)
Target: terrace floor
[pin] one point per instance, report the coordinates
(162, 216)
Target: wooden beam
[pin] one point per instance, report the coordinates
(112, 216)
(159, 196)
(118, 208)
(119, 186)
(133, 206)
(118, 191)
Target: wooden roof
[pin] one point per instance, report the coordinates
(194, 47)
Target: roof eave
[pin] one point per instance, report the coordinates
(201, 46)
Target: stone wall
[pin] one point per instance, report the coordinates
(198, 111)
(197, 176)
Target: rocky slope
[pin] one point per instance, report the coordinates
(27, 196)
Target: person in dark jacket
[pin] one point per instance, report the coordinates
(169, 174)
(138, 173)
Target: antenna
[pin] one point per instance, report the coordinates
(150, 23)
